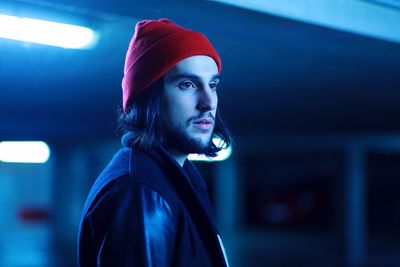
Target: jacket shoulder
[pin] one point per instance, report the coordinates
(128, 167)
(116, 168)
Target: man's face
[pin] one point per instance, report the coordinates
(189, 104)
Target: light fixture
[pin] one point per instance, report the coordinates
(224, 154)
(24, 152)
(46, 32)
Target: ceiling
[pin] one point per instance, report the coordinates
(280, 75)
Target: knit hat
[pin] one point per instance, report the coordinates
(156, 46)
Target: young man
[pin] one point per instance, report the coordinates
(150, 207)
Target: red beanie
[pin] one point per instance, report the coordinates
(157, 46)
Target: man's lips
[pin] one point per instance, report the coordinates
(204, 123)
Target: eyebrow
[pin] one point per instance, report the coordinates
(192, 76)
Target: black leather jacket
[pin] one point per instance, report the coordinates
(145, 210)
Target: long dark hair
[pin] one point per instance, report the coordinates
(141, 124)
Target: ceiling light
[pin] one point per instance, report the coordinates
(46, 32)
(24, 152)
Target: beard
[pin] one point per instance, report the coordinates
(178, 140)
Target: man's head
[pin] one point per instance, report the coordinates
(156, 46)
(170, 90)
(189, 104)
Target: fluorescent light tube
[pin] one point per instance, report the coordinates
(46, 32)
(24, 152)
(224, 154)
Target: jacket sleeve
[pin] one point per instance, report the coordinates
(137, 229)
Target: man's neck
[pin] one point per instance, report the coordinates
(179, 157)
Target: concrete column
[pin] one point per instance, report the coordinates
(228, 195)
(70, 179)
(355, 206)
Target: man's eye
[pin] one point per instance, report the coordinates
(213, 85)
(186, 85)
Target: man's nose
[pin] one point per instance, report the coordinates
(207, 100)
